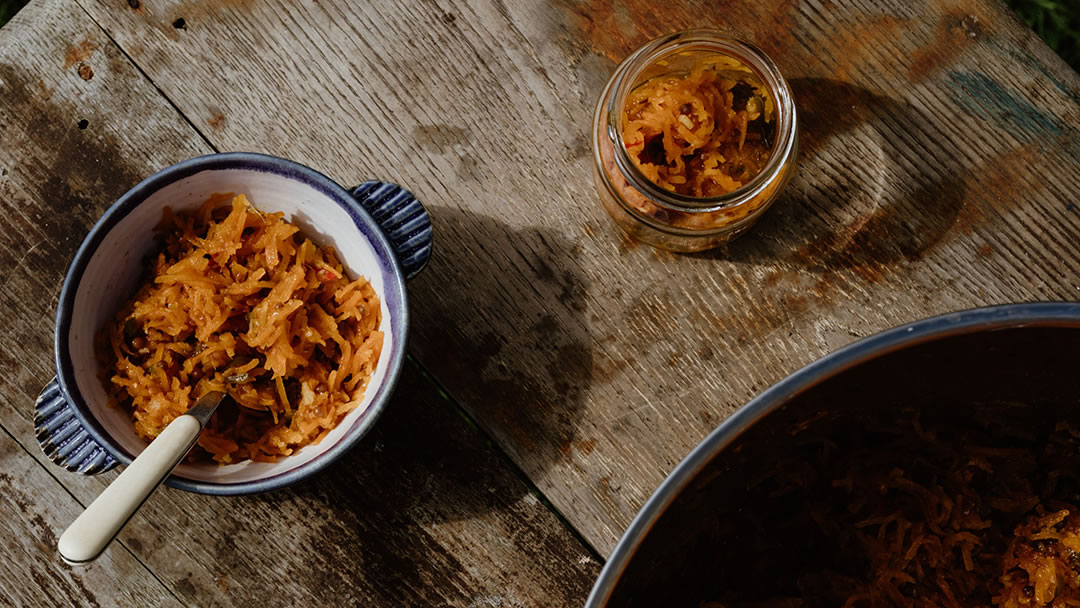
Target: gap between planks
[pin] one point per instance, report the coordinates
(143, 73)
(47, 467)
(486, 436)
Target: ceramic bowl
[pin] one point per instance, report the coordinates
(379, 230)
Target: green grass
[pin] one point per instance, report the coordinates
(9, 8)
(1055, 21)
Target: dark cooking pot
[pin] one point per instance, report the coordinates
(1018, 363)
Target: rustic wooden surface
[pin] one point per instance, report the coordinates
(940, 171)
(426, 512)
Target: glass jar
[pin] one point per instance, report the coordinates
(665, 218)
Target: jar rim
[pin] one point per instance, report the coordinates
(625, 76)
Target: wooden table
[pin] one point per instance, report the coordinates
(558, 371)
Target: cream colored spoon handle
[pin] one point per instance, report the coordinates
(92, 531)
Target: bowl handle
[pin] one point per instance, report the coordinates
(63, 438)
(402, 219)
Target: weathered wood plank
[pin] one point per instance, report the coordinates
(34, 507)
(424, 512)
(55, 179)
(939, 172)
(417, 515)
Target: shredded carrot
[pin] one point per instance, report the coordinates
(242, 302)
(908, 516)
(703, 133)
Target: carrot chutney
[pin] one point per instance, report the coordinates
(701, 134)
(242, 302)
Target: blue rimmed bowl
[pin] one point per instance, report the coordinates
(379, 230)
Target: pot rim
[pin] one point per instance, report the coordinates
(989, 318)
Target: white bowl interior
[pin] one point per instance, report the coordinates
(115, 269)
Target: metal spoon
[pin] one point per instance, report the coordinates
(92, 531)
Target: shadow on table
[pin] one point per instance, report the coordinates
(422, 512)
(426, 510)
(499, 320)
(876, 185)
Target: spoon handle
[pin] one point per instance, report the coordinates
(92, 531)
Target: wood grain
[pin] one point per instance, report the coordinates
(35, 507)
(55, 180)
(425, 512)
(420, 514)
(939, 172)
